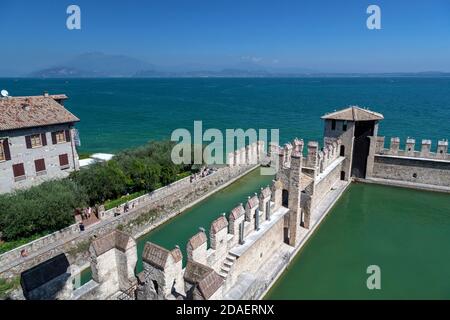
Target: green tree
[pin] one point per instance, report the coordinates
(40, 209)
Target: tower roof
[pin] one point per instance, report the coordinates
(353, 113)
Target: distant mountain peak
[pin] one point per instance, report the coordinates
(95, 64)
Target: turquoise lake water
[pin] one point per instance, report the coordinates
(119, 113)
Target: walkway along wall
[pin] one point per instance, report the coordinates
(168, 201)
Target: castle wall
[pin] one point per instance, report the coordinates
(104, 272)
(412, 170)
(260, 250)
(326, 180)
(409, 165)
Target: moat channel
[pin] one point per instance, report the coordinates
(178, 230)
(405, 232)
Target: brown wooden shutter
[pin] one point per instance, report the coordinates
(18, 170)
(28, 142)
(6, 150)
(44, 139)
(39, 165)
(68, 138)
(54, 137)
(63, 160)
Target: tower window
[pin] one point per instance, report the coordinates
(342, 152)
(333, 124)
(344, 126)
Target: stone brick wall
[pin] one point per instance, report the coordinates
(260, 251)
(346, 138)
(412, 170)
(50, 152)
(324, 184)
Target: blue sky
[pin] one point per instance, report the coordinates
(327, 36)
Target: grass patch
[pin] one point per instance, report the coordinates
(10, 245)
(117, 202)
(80, 248)
(83, 155)
(183, 175)
(145, 217)
(6, 286)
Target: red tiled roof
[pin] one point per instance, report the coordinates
(115, 239)
(197, 240)
(237, 212)
(33, 111)
(219, 224)
(207, 279)
(354, 113)
(155, 255)
(252, 202)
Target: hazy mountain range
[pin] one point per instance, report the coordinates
(91, 65)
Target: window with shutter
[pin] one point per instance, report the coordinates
(64, 161)
(44, 139)
(2, 152)
(33, 141)
(5, 149)
(68, 137)
(19, 171)
(59, 137)
(40, 166)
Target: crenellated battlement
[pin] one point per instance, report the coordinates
(251, 154)
(410, 150)
(210, 267)
(316, 159)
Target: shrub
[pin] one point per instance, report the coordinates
(102, 181)
(40, 209)
(49, 207)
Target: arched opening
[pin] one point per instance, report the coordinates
(155, 285)
(285, 198)
(342, 151)
(342, 175)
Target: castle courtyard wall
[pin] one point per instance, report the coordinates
(267, 242)
(424, 171)
(327, 179)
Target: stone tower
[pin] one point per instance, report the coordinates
(287, 190)
(353, 126)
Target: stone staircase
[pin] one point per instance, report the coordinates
(227, 264)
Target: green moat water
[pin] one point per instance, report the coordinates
(405, 232)
(180, 229)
